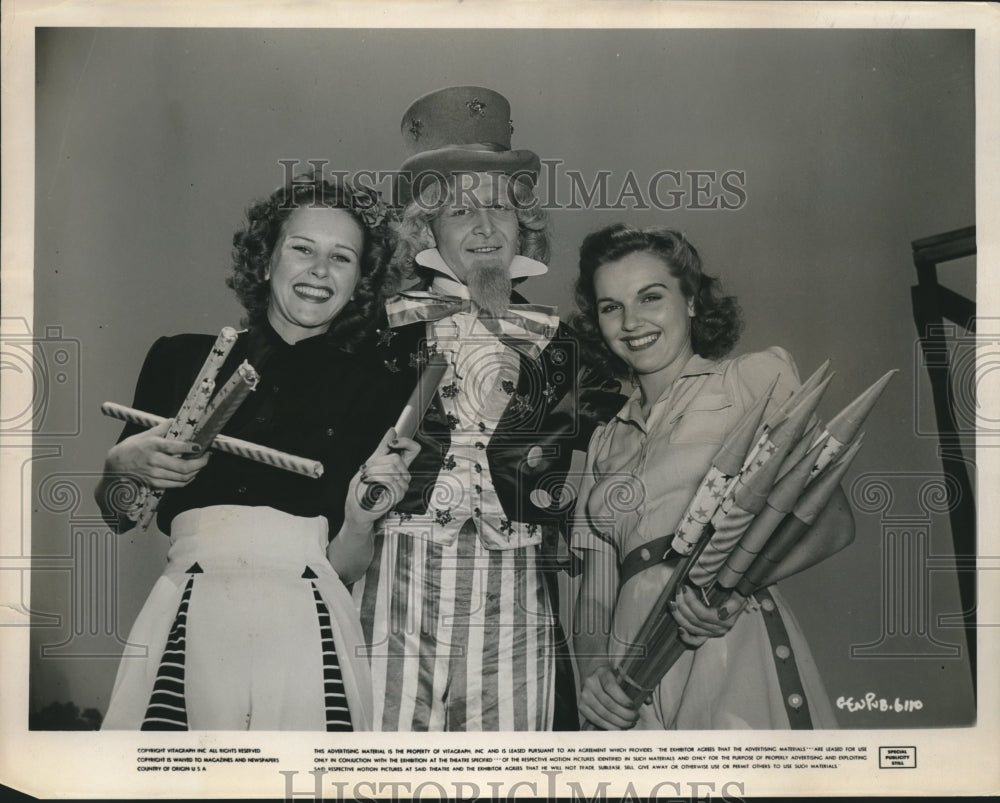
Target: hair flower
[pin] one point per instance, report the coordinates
(367, 204)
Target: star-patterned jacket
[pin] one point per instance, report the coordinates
(498, 437)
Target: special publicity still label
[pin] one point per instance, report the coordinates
(897, 757)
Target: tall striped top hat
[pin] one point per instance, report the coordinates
(460, 129)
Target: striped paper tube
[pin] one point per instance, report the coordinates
(223, 443)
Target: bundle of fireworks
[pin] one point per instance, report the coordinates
(753, 511)
(202, 414)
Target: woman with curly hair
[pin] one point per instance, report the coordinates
(251, 625)
(648, 310)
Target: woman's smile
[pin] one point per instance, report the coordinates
(640, 342)
(313, 293)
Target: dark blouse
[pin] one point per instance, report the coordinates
(314, 400)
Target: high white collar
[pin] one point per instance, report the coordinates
(520, 267)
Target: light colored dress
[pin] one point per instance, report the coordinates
(641, 474)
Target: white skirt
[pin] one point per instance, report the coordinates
(248, 628)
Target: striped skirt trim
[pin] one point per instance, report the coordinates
(167, 709)
(248, 627)
(338, 713)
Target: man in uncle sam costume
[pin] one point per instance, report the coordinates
(459, 604)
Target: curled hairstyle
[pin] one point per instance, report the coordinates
(717, 320)
(254, 244)
(414, 235)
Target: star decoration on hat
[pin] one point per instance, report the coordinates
(476, 106)
(415, 127)
(511, 124)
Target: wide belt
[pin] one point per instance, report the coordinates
(642, 557)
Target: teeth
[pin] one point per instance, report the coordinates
(485, 250)
(313, 292)
(637, 342)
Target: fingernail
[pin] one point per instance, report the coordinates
(195, 447)
(723, 613)
(393, 443)
(682, 631)
(673, 605)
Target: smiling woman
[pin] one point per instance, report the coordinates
(649, 310)
(313, 271)
(645, 319)
(250, 625)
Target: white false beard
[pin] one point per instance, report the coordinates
(490, 288)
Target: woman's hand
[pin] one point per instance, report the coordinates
(698, 622)
(159, 462)
(381, 481)
(603, 702)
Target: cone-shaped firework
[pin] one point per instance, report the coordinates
(797, 395)
(806, 442)
(752, 488)
(725, 465)
(786, 435)
(795, 526)
(778, 417)
(845, 425)
(780, 503)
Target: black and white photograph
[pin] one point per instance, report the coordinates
(499, 400)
